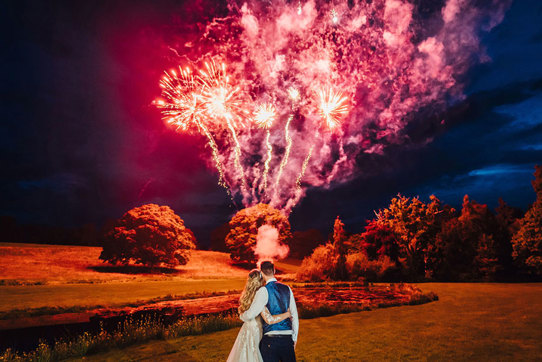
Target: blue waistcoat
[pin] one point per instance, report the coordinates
(277, 303)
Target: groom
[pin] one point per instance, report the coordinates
(279, 340)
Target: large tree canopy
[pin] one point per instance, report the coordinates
(241, 240)
(149, 235)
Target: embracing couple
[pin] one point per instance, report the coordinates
(271, 324)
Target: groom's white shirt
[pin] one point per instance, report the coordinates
(260, 301)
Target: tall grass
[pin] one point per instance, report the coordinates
(127, 333)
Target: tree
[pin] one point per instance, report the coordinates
(339, 238)
(527, 242)
(379, 240)
(507, 219)
(149, 235)
(537, 182)
(487, 263)
(415, 224)
(478, 225)
(465, 248)
(450, 256)
(241, 240)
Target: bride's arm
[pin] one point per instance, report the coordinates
(258, 304)
(272, 319)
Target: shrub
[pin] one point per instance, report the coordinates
(320, 265)
(148, 235)
(359, 266)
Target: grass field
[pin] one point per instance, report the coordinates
(31, 264)
(38, 276)
(107, 294)
(489, 322)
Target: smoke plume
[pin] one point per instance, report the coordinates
(268, 245)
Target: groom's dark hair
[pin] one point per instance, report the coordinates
(267, 268)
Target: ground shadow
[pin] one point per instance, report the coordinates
(134, 269)
(243, 265)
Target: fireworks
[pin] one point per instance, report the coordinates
(334, 16)
(267, 160)
(332, 107)
(273, 76)
(264, 118)
(303, 169)
(293, 93)
(206, 97)
(284, 161)
(265, 115)
(183, 106)
(191, 100)
(221, 99)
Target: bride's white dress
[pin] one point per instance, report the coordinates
(247, 345)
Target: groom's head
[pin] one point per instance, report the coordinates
(268, 269)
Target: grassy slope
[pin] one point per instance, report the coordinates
(469, 322)
(68, 279)
(60, 264)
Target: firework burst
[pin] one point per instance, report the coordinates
(182, 106)
(265, 115)
(221, 100)
(293, 94)
(332, 106)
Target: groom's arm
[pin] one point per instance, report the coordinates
(257, 306)
(295, 317)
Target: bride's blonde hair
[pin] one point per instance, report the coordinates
(254, 282)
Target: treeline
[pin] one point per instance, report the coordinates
(14, 232)
(415, 241)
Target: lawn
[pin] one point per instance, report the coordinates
(30, 264)
(36, 276)
(469, 322)
(107, 294)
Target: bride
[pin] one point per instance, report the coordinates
(246, 347)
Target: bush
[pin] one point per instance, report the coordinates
(320, 265)
(359, 266)
(148, 235)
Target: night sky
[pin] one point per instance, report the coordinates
(82, 143)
